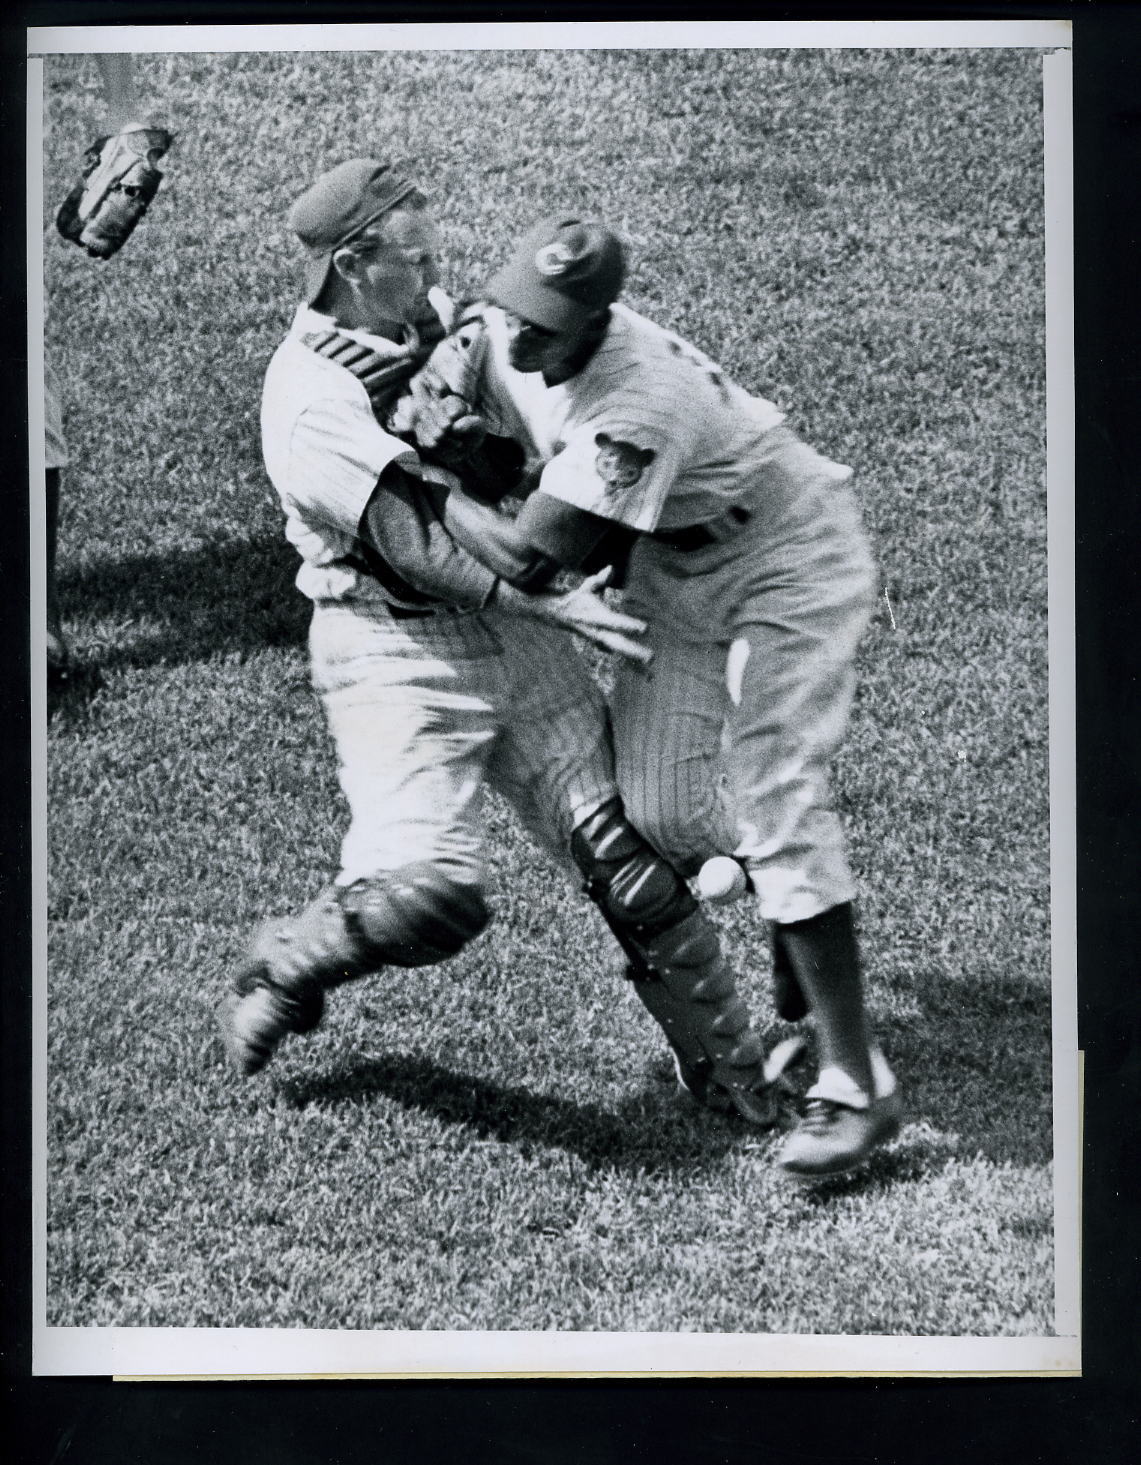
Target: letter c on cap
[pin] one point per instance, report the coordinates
(553, 259)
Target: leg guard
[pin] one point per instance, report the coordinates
(416, 916)
(680, 973)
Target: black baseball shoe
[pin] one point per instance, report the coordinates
(255, 1017)
(834, 1138)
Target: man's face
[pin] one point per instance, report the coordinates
(532, 347)
(393, 268)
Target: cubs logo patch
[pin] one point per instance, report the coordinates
(553, 259)
(620, 464)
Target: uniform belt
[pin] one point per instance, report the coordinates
(699, 536)
(419, 613)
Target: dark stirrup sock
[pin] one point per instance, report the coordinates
(823, 953)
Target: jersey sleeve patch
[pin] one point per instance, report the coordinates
(610, 473)
(620, 464)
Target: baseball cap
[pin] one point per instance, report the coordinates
(564, 269)
(339, 207)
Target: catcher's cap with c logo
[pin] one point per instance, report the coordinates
(564, 270)
(339, 207)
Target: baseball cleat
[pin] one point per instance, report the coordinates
(833, 1138)
(757, 1106)
(254, 1021)
(694, 1078)
(757, 1103)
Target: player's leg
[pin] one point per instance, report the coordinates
(58, 652)
(677, 966)
(413, 716)
(669, 722)
(670, 733)
(784, 729)
(669, 727)
(554, 761)
(553, 758)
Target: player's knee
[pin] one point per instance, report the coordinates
(676, 834)
(679, 837)
(417, 915)
(634, 885)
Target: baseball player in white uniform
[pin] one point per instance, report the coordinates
(748, 560)
(439, 678)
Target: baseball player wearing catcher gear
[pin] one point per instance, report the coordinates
(749, 562)
(439, 678)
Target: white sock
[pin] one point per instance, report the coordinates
(840, 1087)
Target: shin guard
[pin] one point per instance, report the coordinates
(415, 916)
(680, 973)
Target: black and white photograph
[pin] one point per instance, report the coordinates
(552, 643)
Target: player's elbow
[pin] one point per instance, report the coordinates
(497, 543)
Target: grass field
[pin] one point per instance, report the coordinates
(491, 1144)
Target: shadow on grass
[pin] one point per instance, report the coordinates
(647, 1133)
(184, 606)
(976, 1070)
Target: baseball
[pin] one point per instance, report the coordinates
(721, 880)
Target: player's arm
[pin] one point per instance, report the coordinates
(545, 537)
(405, 523)
(402, 523)
(440, 412)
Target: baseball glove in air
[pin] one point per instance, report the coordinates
(119, 180)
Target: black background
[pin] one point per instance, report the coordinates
(817, 1422)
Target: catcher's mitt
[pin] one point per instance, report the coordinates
(438, 416)
(119, 180)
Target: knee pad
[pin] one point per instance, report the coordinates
(638, 892)
(416, 916)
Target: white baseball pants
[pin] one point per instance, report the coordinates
(427, 712)
(724, 744)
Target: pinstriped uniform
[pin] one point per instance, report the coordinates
(724, 745)
(427, 706)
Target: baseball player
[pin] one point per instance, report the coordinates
(748, 561)
(119, 178)
(437, 676)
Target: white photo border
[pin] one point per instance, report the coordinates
(208, 1353)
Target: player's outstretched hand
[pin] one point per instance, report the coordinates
(585, 611)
